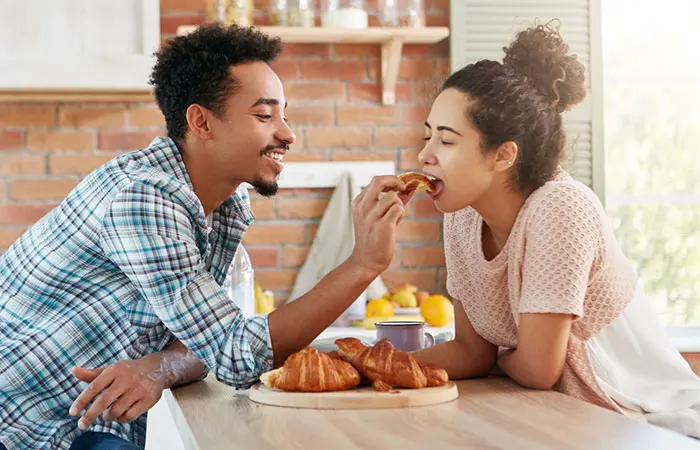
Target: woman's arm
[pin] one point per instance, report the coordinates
(538, 361)
(467, 356)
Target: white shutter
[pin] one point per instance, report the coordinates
(480, 30)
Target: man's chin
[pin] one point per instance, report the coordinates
(265, 188)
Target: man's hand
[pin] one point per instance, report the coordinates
(376, 212)
(127, 388)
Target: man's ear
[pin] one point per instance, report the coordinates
(199, 120)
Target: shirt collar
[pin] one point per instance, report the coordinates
(234, 204)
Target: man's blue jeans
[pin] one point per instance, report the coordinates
(98, 441)
(93, 440)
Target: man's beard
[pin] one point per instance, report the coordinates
(262, 187)
(265, 188)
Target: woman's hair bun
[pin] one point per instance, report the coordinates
(540, 54)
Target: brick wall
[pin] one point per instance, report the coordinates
(333, 90)
(694, 360)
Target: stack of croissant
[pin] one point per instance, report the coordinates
(382, 365)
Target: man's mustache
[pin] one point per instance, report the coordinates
(274, 147)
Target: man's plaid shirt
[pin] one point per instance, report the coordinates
(121, 268)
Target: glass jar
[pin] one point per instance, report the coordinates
(239, 12)
(416, 14)
(214, 11)
(389, 13)
(278, 13)
(402, 13)
(300, 13)
(344, 14)
(293, 13)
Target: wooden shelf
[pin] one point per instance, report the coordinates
(371, 35)
(75, 95)
(391, 40)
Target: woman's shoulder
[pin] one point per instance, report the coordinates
(562, 196)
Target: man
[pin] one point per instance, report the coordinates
(128, 268)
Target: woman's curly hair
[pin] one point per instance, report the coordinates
(194, 69)
(522, 98)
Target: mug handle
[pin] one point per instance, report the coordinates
(429, 340)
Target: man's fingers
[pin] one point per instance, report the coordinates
(383, 205)
(134, 412)
(122, 405)
(102, 381)
(394, 214)
(86, 375)
(103, 401)
(382, 183)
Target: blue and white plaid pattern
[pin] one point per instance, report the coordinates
(121, 268)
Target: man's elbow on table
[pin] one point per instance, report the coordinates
(243, 376)
(243, 355)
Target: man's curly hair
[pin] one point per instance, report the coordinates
(522, 100)
(194, 69)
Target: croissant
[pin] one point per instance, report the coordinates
(387, 367)
(416, 182)
(310, 371)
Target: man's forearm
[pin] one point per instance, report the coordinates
(296, 324)
(178, 365)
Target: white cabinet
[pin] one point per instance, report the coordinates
(78, 44)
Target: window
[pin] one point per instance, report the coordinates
(651, 76)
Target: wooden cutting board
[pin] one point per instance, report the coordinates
(358, 398)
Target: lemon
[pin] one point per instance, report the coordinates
(379, 307)
(405, 299)
(437, 310)
(404, 287)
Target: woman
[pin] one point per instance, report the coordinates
(532, 261)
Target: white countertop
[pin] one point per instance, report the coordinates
(334, 331)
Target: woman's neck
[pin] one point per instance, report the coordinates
(499, 210)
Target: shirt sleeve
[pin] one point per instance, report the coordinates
(563, 236)
(149, 235)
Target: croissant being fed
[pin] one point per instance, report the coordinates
(416, 182)
(389, 367)
(308, 370)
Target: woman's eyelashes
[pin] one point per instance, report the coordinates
(442, 141)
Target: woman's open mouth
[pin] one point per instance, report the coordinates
(438, 187)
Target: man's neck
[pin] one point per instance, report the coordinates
(211, 191)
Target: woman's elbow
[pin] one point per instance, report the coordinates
(543, 379)
(540, 384)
